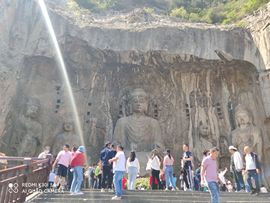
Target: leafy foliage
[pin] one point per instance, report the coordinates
(142, 183)
(210, 11)
(149, 10)
(215, 11)
(74, 7)
(98, 5)
(179, 12)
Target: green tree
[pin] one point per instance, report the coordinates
(179, 12)
(194, 17)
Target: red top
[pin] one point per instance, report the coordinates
(78, 159)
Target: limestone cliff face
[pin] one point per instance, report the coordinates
(193, 92)
(259, 26)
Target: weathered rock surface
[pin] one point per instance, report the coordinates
(193, 91)
(259, 26)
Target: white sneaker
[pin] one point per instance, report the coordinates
(78, 193)
(116, 198)
(173, 189)
(102, 190)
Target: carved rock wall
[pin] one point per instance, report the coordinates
(192, 93)
(192, 98)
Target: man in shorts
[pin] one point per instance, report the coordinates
(63, 161)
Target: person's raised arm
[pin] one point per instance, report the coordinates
(190, 158)
(114, 159)
(164, 162)
(56, 160)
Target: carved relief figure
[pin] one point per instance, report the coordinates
(246, 134)
(204, 140)
(93, 132)
(28, 131)
(66, 137)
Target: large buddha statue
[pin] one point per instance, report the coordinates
(138, 132)
(67, 136)
(246, 133)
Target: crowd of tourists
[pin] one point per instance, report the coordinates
(69, 171)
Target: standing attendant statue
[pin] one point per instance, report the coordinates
(246, 133)
(27, 137)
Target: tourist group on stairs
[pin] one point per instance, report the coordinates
(69, 171)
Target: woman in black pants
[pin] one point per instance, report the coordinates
(155, 170)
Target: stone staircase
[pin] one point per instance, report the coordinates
(95, 196)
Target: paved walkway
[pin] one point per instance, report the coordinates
(148, 197)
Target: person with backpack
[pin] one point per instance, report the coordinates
(252, 169)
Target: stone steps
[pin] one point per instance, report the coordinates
(95, 196)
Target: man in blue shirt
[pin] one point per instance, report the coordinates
(187, 166)
(105, 155)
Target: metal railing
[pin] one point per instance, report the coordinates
(17, 182)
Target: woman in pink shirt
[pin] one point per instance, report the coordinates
(168, 169)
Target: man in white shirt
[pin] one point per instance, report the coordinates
(236, 168)
(119, 162)
(252, 168)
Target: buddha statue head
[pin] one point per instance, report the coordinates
(32, 108)
(242, 116)
(204, 129)
(68, 126)
(139, 101)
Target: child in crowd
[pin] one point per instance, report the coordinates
(181, 179)
(91, 176)
(221, 176)
(98, 175)
(229, 186)
(197, 179)
(174, 181)
(51, 179)
(162, 180)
